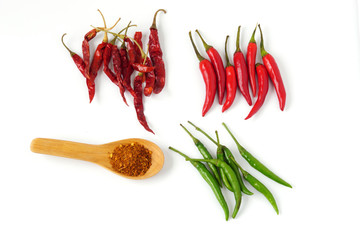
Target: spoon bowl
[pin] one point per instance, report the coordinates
(98, 154)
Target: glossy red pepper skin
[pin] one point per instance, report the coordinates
(274, 73)
(250, 60)
(156, 54)
(231, 83)
(218, 64)
(263, 81)
(241, 71)
(209, 76)
(138, 103)
(86, 50)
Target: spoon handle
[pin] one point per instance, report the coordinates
(68, 149)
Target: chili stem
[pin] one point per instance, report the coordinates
(226, 52)
(154, 20)
(177, 151)
(207, 46)
(196, 51)
(200, 130)
(62, 40)
(238, 40)
(262, 49)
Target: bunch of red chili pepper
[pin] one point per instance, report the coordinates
(130, 57)
(225, 80)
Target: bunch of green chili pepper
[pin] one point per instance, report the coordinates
(224, 169)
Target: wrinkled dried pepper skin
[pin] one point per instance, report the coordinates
(137, 38)
(106, 59)
(155, 53)
(118, 70)
(138, 103)
(79, 63)
(126, 70)
(86, 50)
(150, 79)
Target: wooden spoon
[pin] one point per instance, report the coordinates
(98, 154)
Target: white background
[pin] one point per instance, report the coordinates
(313, 144)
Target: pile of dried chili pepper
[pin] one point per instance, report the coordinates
(224, 169)
(243, 73)
(127, 66)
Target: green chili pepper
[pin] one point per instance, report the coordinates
(209, 178)
(205, 153)
(220, 156)
(230, 174)
(256, 163)
(261, 188)
(229, 159)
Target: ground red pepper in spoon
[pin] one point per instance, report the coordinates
(209, 76)
(263, 81)
(274, 73)
(155, 53)
(250, 60)
(241, 70)
(218, 67)
(231, 85)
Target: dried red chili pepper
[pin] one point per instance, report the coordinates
(218, 66)
(263, 81)
(106, 60)
(149, 79)
(76, 58)
(138, 39)
(241, 70)
(274, 73)
(126, 68)
(86, 49)
(118, 70)
(155, 53)
(250, 60)
(131, 50)
(231, 85)
(209, 76)
(138, 103)
(97, 60)
(142, 68)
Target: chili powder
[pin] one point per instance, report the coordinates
(131, 159)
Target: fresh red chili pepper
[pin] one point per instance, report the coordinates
(209, 76)
(218, 66)
(263, 81)
(155, 53)
(142, 68)
(76, 58)
(250, 60)
(231, 85)
(138, 103)
(274, 73)
(86, 49)
(241, 70)
(149, 79)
